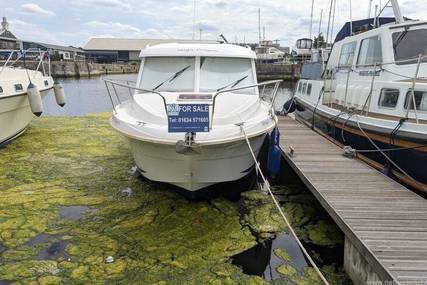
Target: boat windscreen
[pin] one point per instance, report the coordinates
(408, 45)
(219, 73)
(168, 74)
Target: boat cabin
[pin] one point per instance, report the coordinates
(197, 68)
(375, 71)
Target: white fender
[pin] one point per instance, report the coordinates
(35, 99)
(58, 89)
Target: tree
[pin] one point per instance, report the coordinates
(319, 42)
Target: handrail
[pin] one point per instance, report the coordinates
(115, 82)
(275, 89)
(10, 62)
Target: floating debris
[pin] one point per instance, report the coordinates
(109, 259)
(127, 192)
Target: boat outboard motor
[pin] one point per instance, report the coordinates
(58, 89)
(35, 99)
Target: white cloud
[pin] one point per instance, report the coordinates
(114, 4)
(31, 32)
(33, 8)
(114, 28)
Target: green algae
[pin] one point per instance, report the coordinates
(325, 233)
(154, 236)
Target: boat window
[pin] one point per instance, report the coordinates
(221, 73)
(157, 70)
(408, 45)
(18, 87)
(299, 87)
(1, 89)
(370, 51)
(389, 98)
(304, 88)
(347, 54)
(420, 100)
(309, 86)
(46, 83)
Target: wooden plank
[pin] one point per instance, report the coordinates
(384, 220)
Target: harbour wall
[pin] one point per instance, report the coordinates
(62, 69)
(286, 71)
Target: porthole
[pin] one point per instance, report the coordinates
(389, 98)
(18, 87)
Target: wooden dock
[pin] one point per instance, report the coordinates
(382, 220)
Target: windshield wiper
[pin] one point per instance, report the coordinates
(399, 39)
(233, 84)
(173, 77)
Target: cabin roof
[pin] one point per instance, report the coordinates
(198, 49)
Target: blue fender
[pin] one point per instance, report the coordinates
(274, 153)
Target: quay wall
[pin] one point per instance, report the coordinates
(269, 71)
(70, 69)
(61, 69)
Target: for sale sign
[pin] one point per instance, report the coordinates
(186, 118)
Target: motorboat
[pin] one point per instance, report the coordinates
(303, 50)
(191, 111)
(372, 95)
(267, 52)
(22, 90)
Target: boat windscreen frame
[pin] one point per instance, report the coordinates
(197, 73)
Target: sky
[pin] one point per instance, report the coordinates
(74, 22)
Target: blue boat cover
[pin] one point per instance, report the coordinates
(361, 25)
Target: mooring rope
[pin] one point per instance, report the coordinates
(267, 186)
(387, 157)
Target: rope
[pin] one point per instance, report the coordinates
(389, 149)
(267, 186)
(386, 156)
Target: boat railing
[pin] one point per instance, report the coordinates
(112, 84)
(380, 66)
(35, 58)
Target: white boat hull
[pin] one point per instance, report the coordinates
(15, 115)
(205, 166)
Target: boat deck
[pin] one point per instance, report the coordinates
(383, 220)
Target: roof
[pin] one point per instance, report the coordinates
(122, 44)
(58, 47)
(198, 49)
(6, 34)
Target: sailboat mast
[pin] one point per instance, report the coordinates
(369, 8)
(311, 19)
(259, 25)
(397, 12)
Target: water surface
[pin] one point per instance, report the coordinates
(85, 96)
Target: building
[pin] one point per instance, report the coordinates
(8, 41)
(57, 52)
(108, 50)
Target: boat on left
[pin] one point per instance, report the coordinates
(25, 80)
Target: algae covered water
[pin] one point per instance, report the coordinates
(73, 211)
